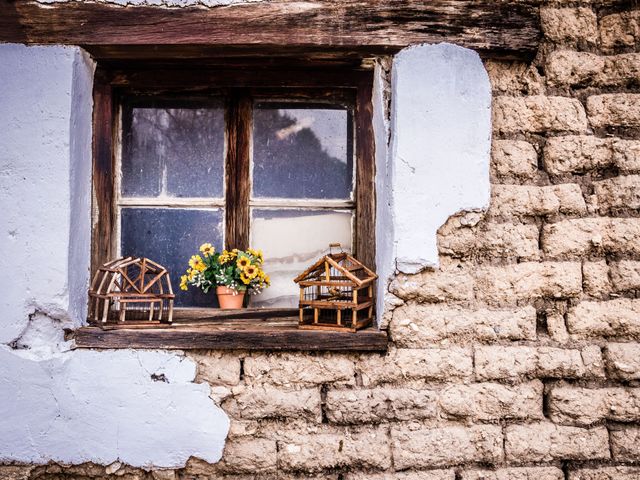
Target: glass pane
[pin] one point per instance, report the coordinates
(302, 152)
(291, 241)
(169, 237)
(173, 152)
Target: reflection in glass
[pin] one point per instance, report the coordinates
(173, 152)
(291, 240)
(169, 237)
(302, 152)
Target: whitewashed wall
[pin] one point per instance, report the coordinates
(56, 404)
(436, 164)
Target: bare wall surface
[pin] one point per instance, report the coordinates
(141, 408)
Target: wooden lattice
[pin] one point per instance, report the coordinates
(336, 293)
(131, 288)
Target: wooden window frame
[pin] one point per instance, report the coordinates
(240, 85)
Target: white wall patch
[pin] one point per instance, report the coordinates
(440, 145)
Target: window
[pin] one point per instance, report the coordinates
(275, 159)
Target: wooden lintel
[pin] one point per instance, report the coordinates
(507, 28)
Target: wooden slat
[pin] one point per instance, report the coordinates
(285, 337)
(337, 305)
(313, 83)
(206, 314)
(340, 268)
(365, 178)
(103, 225)
(237, 171)
(331, 283)
(507, 28)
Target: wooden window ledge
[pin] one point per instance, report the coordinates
(247, 329)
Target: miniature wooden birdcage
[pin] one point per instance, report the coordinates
(131, 288)
(336, 293)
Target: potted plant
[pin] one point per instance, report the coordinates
(233, 273)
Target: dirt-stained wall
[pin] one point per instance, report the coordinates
(519, 358)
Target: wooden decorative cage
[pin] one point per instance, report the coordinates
(129, 289)
(336, 293)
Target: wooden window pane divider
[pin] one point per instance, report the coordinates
(171, 202)
(301, 203)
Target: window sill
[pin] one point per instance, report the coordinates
(249, 329)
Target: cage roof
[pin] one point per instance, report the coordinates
(344, 263)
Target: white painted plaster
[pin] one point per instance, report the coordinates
(104, 406)
(385, 260)
(440, 146)
(35, 107)
(55, 404)
(80, 186)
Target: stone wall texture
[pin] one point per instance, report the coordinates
(519, 359)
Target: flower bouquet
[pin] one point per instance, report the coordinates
(233, 273)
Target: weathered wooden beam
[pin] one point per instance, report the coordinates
(209, 337)
(495, 28)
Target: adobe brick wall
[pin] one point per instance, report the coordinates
(520, 358)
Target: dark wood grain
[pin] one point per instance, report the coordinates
(241, 56)
(365, 177)
(151, 76)
(237, 170)
(245, 335)
(191, 315)
(507, 27)
(103, 173)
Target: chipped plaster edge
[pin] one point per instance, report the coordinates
(80, 171)
(385, 219)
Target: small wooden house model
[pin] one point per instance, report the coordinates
(336, 293)
(131, 288)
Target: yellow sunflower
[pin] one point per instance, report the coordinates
(246, 280)
(183, 282)
(194, 260)
(207, 249)
(191, 274)
(243, 262)
(200, 266)
(251, 271)
(256, 253)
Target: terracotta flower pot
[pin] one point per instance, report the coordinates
(229, 298)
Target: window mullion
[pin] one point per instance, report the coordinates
(238, 125)
(365, 178)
